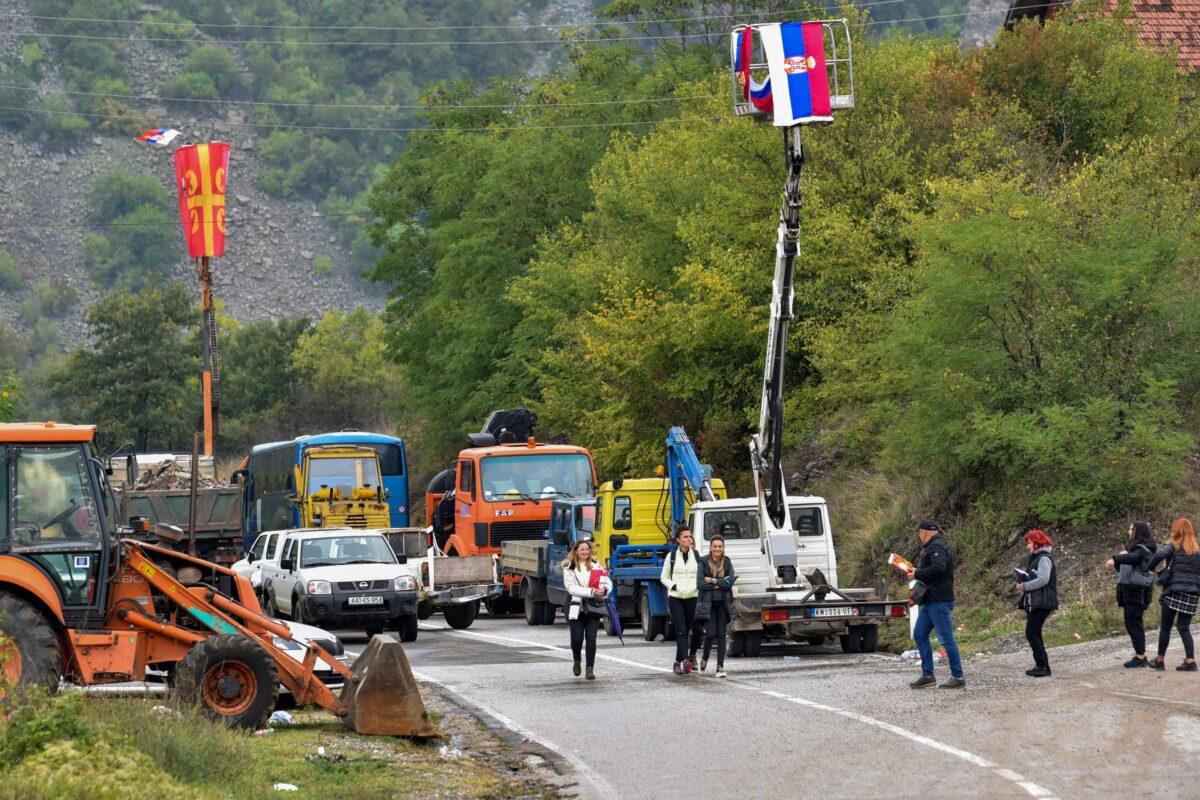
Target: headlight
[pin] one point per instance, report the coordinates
(405, 583)
(318, 587)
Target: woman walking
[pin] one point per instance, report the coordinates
(679, 575)
(1181, 591)
(1039, 597)
(586, 606)
(1135, 587)
(716, 600)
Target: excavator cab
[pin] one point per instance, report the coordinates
(77, 603)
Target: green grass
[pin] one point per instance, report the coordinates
(120, 748)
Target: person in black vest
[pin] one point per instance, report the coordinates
(935, 575)
(1039, 597)
(1181, 591)
(1135, 587)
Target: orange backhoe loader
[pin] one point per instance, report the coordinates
(77, 602)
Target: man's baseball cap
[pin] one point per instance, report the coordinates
(929, 525)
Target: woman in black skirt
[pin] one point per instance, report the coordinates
(1181, 591)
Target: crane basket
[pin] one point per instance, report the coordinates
(793, 73)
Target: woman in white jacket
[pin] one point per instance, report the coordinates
(577, 574)
(680, 576)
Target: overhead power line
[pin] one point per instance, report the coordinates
(368, 106)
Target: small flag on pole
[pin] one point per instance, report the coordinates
(159, 136)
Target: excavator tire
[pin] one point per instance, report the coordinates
(231, 679)
(29, 650)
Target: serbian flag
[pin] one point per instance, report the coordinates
(201, 171)
(755, 92)
(796, 59)
(159, 136)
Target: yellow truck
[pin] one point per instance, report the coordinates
(339, 486)
(636, 511)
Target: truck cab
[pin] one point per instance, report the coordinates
(635, 511)
(340, 486)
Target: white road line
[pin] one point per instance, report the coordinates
(603, 788)
(1134, 696)
(1028, 786)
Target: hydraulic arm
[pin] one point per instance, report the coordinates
(684, 471)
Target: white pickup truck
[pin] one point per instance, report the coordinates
(339, 578)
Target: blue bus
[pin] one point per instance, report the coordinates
(270, 479)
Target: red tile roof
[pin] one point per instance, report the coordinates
(1169, 23)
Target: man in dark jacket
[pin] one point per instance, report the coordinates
(935, 572)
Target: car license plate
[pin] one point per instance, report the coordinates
(834, 612)
(371, 600)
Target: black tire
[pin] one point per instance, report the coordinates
(753, 644)
(297, 614)
(496, 606)
(652, 626)
(374, 630)
(815, 641)
(533, 609)
(870, 639)
(461, 616)
(424, 611)
(737, 644)
(38, 660)
(851, 640)
(270, 608)
(549, 612)
(229, 678)
(408, 628)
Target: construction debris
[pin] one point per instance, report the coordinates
(169, 474)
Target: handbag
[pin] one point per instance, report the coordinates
(594, 607)
(918, 591)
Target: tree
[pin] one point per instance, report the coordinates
(259, 382)
(137, 376)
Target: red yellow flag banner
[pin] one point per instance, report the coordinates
(201, 172)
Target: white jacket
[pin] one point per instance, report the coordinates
(575, 581)
(681, 583)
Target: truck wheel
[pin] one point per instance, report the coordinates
(652, 626)
(533, 609)
(815, 641)
(424, 611)
(297, 614)
(870, 639)
(496, 606)
(753, 644)
(461, 616)
(231, 679)
(851, 640)
(29, 653)
(269, 607)
(549, 611)
(737, 644)
(408, 628)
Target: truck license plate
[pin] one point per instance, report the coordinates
(372, 600)
(835, 612)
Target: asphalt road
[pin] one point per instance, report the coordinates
(827, 725)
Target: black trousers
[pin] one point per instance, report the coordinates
(1136, 627)
(1183, 623)
(584, 628)
(683, 615)
(1033, 634)
(718, 623)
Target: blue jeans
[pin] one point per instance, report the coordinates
(936, 616)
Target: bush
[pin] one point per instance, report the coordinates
(322, 266)
(36, 719)
(189, 86)
(10, 277)
(170, 24)
(55, 125)
(138, 251)
(216, 63)
(51, 298)
(119, 192)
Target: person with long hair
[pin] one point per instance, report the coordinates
(1038, 583)
(583, 617)
(1180, 580)
(1135, 587)
(715, 578)
(679, 575)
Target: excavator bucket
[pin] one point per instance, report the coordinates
(381, 695)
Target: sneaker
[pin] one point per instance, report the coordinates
(923, 681)
(958, 683)
(703, 664)
(1135, 663)
(688, 667)
(1158, 664)
(677, 669)
(721, 671)
(1187, 666)
(576, 668)
(1038, 672)
(591, 674)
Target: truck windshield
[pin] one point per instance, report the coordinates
(335, 550)
(732, 524)
(585, 519)
(344, 474)
(535, 476)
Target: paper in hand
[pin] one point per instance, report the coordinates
(899, 562)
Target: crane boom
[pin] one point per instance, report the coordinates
(684, 471)
(766, 446)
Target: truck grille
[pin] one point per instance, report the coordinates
(513, 531)
(353, 586)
